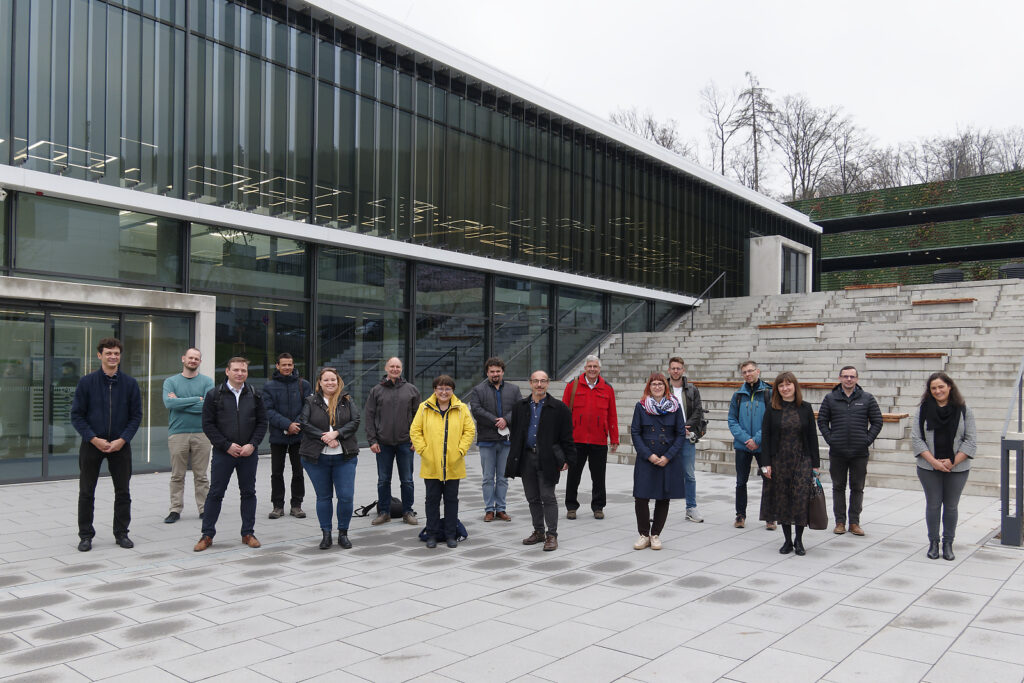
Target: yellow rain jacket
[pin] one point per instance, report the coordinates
(442, 440)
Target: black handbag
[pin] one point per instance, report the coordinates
(817, 512)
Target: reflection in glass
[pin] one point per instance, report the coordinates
(21, 395)
(449, 345)
(358, 342)
(360, 277)
(225, 258)
(259, 329)
(447, 290)
(71, 238)
(580, 308)
(628, 309)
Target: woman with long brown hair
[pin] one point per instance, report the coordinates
(944, 439)
(330, 451)
(659, 432)
(789, 447)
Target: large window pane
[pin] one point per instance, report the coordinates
(259, 329)
(579, 308)
(228, 259)
(359, 277)
(522, 325)
(448, 290)
(68, 238)
(633, 311)
(358, 342)
(449, 345)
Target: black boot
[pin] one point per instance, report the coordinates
(326, 543)
(798, 547)
(343, 539)
(947, 549)
(786, 548)
(933, 550)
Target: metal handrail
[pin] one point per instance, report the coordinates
(700, 297)
(622, 324)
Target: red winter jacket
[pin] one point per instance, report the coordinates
(593, 411)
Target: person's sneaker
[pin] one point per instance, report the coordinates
(571, 514)
(598, 514)
(382, 518)
(124, 542)
(642, 542)
(297, 512)
(740, 522)
(840, 528)
(276, 513)
(655, 542)
(769, 526)
(693, 515)
(172, 518)
(410, 518)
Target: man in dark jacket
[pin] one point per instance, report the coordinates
(389, 411)
(235, 422)
(746, 413)
(106, 412)
(492, 402)
(849, 418)
(541, 447)
(283, 396)
(693, 412)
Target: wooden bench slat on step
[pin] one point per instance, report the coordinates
(909, 354)
(936, 302)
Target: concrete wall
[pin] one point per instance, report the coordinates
(101, 296)
(766, 263)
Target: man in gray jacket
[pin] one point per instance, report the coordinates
(388, 414)
(849, 419)
(492, 402)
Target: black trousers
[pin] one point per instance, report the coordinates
(540, 494)
(449, 491)
(278, 451)
(119, 465)
(841, 469)
(598, 459)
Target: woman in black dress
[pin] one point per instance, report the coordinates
(789, 447)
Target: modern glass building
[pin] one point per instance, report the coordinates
(344, 188)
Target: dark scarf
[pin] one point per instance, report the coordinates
(943, 421)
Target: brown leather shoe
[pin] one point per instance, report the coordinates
(204, 543)
(503, 516)
(551, 542)
(488, 516)
(840, 528)
(856, 530)
(251, 541)
(535, 537)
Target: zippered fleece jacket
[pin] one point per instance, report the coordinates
(442, 440)
(109, 407)
(594, 420)
(389, 411)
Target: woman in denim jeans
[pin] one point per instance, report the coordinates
(329, 451)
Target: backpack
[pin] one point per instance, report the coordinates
(396, 510)
(461, 533)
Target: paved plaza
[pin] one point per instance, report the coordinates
(717, 603)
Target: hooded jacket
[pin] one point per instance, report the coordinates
(746, 413)
(442, 440)
(283, 397)
(389, 411)
(849, 424)
(594, 420)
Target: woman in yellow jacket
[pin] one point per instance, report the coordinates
(441, 433)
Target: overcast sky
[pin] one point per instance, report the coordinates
(903, 69)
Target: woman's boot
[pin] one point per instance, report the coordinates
(326, 543)
(933, 550)
(343, 539)
(947, 549)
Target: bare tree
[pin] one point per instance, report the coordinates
(851, 166)
(754, 114)
(803, 133)
(663, 133)
(741, 163)
(1009, 149)
(719, 109)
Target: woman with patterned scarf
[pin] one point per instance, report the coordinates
(658, 432)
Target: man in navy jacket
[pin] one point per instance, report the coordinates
(106, 412)
(283, 396)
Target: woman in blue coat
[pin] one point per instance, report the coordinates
(659, 432)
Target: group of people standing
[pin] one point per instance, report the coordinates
(774, 425)
(220, 427)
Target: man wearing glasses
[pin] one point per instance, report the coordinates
(849, 419)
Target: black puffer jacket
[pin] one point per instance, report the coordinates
(315, 423)
(226, 421)
(849, 423)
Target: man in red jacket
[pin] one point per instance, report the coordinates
(594, 423)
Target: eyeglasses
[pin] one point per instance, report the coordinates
(539, 381)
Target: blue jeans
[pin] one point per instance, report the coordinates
(330, 474)
(689, 473)
(493, 456)
(221, 467)
(385, 462)
(743, 460)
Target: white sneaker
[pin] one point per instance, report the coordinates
(642, 542)
(693, 515)
(655, 543)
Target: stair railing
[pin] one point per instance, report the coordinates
(701, 299)
(621, 327)
(1011, 529)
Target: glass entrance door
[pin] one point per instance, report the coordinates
(21, 393)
